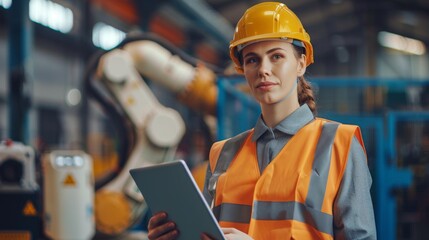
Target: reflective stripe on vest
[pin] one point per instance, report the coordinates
(309, 211)
(321, 164)
(230, 147)
(293, 211)
(275, 211)
(233, 212)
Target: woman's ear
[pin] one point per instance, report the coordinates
(302, 66)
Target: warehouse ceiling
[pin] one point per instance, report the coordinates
(331, 23)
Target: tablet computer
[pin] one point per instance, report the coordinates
(170, 187)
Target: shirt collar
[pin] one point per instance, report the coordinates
(290, 125)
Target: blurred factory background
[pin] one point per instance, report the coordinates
(99, 86)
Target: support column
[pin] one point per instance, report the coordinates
(20, 45)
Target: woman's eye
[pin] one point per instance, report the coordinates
(277, 56)
(250, 60)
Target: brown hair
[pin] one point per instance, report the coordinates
(305, 94)
(305, 91)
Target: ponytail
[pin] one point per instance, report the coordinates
(305, 94)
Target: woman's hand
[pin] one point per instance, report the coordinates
(230, 234)
(160, 228)
(234, 234)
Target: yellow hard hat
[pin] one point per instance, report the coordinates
(268, 20)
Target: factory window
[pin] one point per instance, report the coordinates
(52, 15)
(5, 3)
(106, 36)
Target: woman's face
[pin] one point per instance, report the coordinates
(271, 69)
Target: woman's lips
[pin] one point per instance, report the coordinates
(265, 86)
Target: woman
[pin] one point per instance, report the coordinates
(292, 176)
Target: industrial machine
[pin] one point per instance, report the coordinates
(19, 192)
(68, 195)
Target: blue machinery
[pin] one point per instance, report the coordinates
(238, 112)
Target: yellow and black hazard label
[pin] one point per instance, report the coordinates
(69, 180)
(29, 209)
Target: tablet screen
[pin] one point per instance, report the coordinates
(170, 187)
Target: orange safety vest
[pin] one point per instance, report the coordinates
(294, 196)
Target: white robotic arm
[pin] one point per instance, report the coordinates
(159, 130)
(194, 85)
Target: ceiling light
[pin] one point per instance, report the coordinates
(52, 15)
(106, 36)
(401, 43)
(5, 3)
